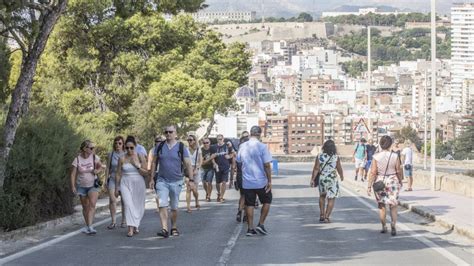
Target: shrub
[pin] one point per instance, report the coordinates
(37, 184)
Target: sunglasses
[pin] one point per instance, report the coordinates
(130, 148)
(169, 132)
(158, 140)
(206, 142)
(91, 148)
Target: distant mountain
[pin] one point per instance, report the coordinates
(288, 8)
(347, 8)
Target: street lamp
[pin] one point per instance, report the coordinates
(433, 94)
(369, 78)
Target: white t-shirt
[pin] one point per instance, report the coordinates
(408, 153)
(253, 155)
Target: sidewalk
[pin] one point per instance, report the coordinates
(449, 210)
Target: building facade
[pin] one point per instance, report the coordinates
(224, 16)
(462, 48)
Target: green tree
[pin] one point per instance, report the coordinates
(29, 24)
(409, 133)
(5, 67)
(304, 17)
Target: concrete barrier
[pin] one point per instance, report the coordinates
(452, 183)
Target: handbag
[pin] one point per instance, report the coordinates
(316, 180)
(380, 185)
(97, 181)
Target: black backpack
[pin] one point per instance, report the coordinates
(180, 153)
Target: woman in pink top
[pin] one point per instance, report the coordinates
(85, 183)
(386, 168)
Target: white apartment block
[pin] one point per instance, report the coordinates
(223, 16)
(468, 96)
(361, 12)
(462, 49)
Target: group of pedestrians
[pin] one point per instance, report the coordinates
(381, 166)
(166, 168)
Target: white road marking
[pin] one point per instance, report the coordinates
(54, 241)
(442, 251)
(230, 245)
(47, 244)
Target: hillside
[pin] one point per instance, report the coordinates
(288, 8)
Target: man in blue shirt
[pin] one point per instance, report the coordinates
(256, 178)
(172, 158)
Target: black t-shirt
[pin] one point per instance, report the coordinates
(206, 154)
(221, 152)
(370, 151)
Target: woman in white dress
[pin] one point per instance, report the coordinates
(131, 171)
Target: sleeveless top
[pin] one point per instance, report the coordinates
(382, 160)
(330, 168)
(113, 162)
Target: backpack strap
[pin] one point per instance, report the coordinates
(158, 152)
(181, 154)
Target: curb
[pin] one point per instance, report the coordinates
(425, 212)
(32, 229)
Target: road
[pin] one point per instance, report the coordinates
(212, 236)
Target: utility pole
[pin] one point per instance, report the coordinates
(369, 78)
(426, 121)
(433, 94)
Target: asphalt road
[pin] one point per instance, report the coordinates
(212, 236)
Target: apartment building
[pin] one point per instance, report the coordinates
(314, 88)
(305, 131)
(275, 133)
(462, 48)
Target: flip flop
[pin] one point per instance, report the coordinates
(111, 226)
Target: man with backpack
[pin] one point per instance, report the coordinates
(359, 158)
(172, 158)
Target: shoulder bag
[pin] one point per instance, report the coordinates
(380, 185)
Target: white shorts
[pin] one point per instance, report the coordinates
(359, 163)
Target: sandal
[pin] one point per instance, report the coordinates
(123, 225)
(222, 200)
(394, 230)
(174, 232)
(129, 234)
(189, 211)
(136, 231)
(321, 219)
(163, 233)
(384, 229)
(198, 207)
(111, 226)
(326, 220)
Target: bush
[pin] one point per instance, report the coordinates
(37, 184)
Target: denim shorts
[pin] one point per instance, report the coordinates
(168, 193)
(84, 191)
(207, 175)
(408, 172)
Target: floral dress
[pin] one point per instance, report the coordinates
(392, 185)
(328, 179)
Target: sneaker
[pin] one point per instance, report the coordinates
(92, 231)
(85, 230)
(261, 229)
(163, 233)
(251, 232)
